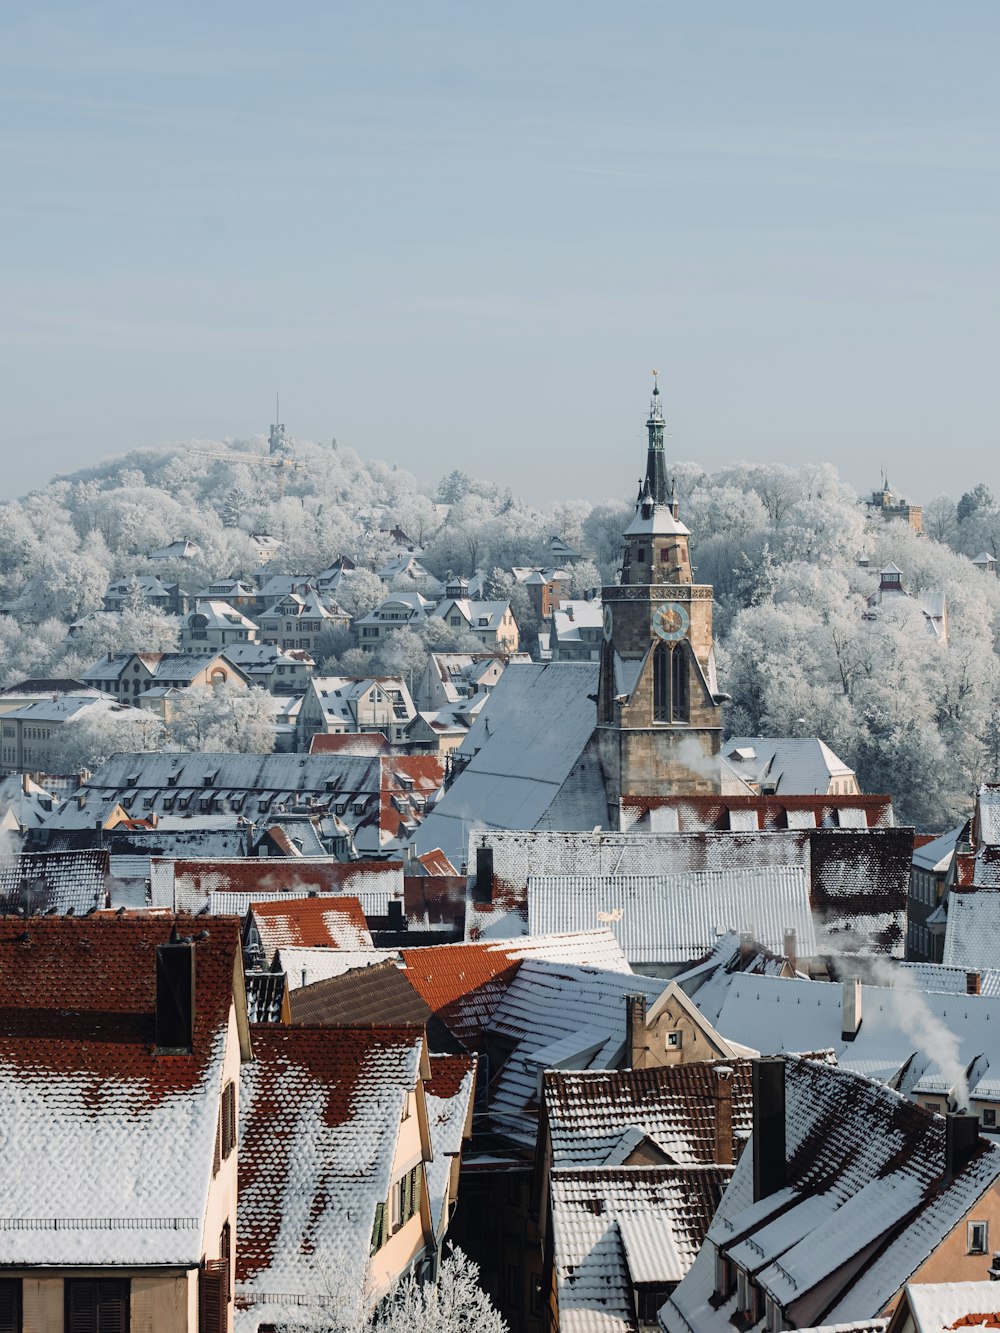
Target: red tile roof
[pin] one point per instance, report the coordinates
(436, 863)
(462, 983)
(319, 1131)
(80, 995)
(311, 923)
(349, 742)
(298, 875)
(447, 1074)
(697, 813)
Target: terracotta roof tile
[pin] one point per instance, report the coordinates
(309, 923)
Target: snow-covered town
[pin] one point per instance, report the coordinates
(494, 837)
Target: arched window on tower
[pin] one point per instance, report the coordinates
(670, 684)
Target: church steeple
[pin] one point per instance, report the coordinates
(658, 712)
(656, 467)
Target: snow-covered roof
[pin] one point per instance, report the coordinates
(304, 966)
(972, 930)
(108, 1145)
(582, 1009)
(789, 765)
(232, 885)
(945, 1032)
(936, 1307)
(521, 750)
(216, 614)
(589, 1114)
(311, 923)
(678, 918)
(951, 980)
(481, 616)
(320, 1114)
(448, 1095)
(734, 813)
(659, 522)
(53, 881)
(988, 814)
(615, 1230)
(867, 1171)
(936, 856)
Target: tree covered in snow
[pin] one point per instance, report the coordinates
(455, 1303)
(88, 741)
(227, 717)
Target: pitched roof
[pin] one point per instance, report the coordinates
(464, 983)
(103, 1119)
(310, 923)
(740, 813)
(678, 918)
(590, 1113)
(320, 1114)
(790, 764)
(304, 967)
(230, 885)
(60, 881)
(448, 1093)
(867, 1200)
(521, 750)
(614, 1230)
(973, 923)
(937, 1307)
(348, 742)
(377, 996)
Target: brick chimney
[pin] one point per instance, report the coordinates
(961, 1138)
(850, 1008)
(635, 1031)
(723, 1115)
(972, 983)
(175, 995)
(790, 946)
(768, 1126)
(482, 885)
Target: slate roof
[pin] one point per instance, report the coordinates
(899, 1025)
(952, 980)
(590, 1114)
(802, 766)
(60, 881)
(310, 923)
(552, 1013)
(464, 983)
(677, 918)
(865, 1179)
(521, 750)
(449, 1094)
(972, 929)
(615, 1229)
(102, 1119)
(320, 1111)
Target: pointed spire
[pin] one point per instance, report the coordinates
(656, 470)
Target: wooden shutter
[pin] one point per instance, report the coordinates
(232, 1116)
(10, 1306)
(404, 1199)
(417, 1184)
(213, 1281)
(378, 1230)
(228, 1120)
(97, 1307)
(217, 1155)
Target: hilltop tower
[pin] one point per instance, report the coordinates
(659, 720)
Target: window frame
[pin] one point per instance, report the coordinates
(978, 1226)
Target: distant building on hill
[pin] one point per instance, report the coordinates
(885, 502)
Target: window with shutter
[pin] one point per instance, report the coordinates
(213, 1281)
(100, 1306)
(10, 1305)
(228, 1120)
(226, 1257)
(217, 1155)
(378, 1230)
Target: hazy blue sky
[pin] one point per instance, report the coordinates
(460, 235)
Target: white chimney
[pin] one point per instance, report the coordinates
(850, 1009)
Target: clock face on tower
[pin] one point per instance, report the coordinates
(608, 624)
(670, 622)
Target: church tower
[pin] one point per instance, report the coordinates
(659, 723)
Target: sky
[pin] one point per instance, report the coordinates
(462, 235)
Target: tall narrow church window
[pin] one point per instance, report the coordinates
(661, 683)
(678, 685)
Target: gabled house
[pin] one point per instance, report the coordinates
(406, 568)
(283, 671)
(149, 590)
(334, 1205)
(33, 738)
(788, 766)
(397, 611)
(844, 1194)
(121, 1044)
(891, 600)
(128, 676)
(577, 631)
(492, 623)
(298, 619)
(182, 549)
(310, 923)
(353, 703)
(215, 624)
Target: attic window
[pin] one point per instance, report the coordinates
(674, 1040)
(484, 620)
(979, 1235)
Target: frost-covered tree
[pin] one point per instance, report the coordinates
(92, 738)
(360, 591)
(224, 717)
